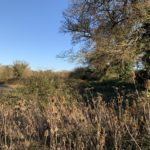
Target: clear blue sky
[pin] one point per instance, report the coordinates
(29, 31)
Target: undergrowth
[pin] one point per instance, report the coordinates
(46, 113)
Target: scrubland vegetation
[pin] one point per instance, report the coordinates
(47, 110)
(102, 106)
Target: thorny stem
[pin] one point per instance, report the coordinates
(136, 90)
(5, 130)
(132, 137)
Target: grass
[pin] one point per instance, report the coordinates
(49, 111)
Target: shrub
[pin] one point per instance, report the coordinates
(83, 73)
(19, 68)
(6, 72)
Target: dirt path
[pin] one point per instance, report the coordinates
(5, 87)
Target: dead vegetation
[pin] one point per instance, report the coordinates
(46, 113)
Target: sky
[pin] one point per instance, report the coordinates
(29, 31)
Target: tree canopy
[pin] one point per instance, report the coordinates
(114, 32)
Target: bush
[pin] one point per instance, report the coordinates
(6, 73)
(19, 68)
(83, 73)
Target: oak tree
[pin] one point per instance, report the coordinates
(110, 30)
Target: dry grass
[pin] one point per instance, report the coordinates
(47, 114)
(68, 126)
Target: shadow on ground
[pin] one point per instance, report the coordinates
(109, 89)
